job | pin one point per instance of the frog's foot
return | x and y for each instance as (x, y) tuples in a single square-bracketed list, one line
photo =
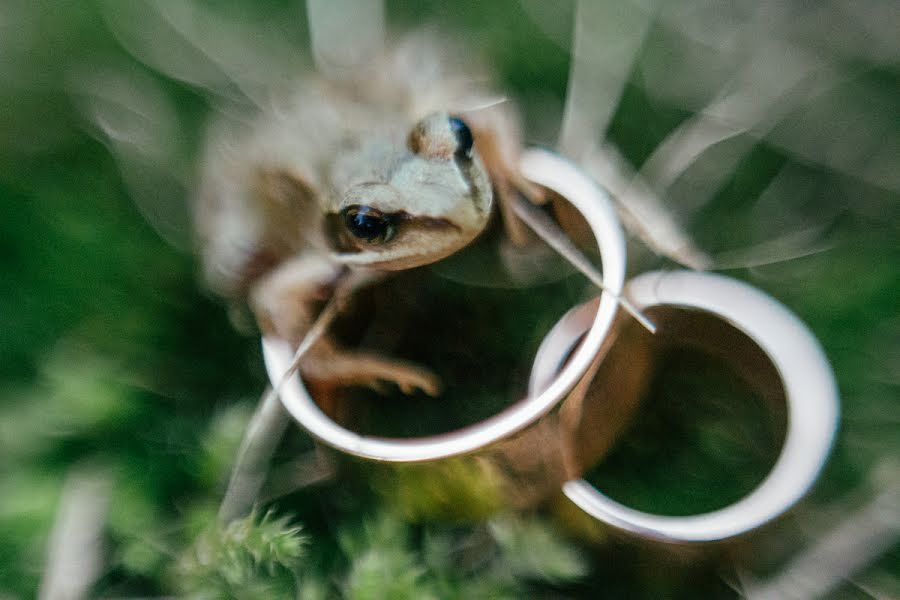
[(370, 370)]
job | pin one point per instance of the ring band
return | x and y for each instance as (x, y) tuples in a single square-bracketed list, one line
[(797, 366)]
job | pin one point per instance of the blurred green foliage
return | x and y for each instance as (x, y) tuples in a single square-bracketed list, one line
[(112, 355)]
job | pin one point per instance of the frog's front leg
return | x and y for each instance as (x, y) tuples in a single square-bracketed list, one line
[(526, 258), (499, 142), (287, 302)]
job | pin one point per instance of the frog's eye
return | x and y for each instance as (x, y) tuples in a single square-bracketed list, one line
[(369, 224), (463, 135)]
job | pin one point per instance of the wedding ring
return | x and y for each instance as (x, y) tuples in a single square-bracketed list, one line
[(763, 341), (516, 456)]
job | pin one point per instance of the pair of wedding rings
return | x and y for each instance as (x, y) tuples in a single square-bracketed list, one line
[(591, 368)]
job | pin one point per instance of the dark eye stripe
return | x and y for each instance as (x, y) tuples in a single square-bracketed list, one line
[(464, 139), (463, 155)]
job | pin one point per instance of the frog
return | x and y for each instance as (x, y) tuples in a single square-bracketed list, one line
[(394, 166)]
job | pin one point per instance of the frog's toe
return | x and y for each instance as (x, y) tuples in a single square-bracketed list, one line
[(419, 379)]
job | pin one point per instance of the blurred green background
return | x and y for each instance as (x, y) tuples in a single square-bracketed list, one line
[(114, 361)]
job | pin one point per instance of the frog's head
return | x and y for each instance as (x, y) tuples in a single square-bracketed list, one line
[(418, 203)]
